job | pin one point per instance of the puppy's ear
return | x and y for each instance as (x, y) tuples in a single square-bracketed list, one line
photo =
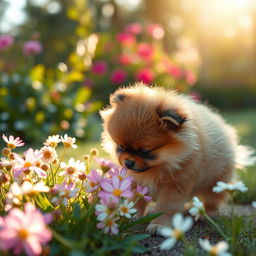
[(117, 98), (172, 119)]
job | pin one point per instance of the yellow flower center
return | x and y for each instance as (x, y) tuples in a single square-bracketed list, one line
[(92, 184), (67, 144), (47, 154), (109, 223), (213, 251), (177, 233), (117, 192), (53, 144), (124, 209), (11, 145), (70, 170), (23, 234), (27, 164)]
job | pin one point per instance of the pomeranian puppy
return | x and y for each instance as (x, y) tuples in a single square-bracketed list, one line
[(170, 143)]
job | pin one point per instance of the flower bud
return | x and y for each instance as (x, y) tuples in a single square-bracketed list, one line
[(86, 157), (82, 176), (6, 151), (94, 152)]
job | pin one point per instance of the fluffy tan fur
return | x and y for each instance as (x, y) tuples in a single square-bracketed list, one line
[(189, 157)]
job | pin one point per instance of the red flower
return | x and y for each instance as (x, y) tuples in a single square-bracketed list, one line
[(190, 77), (134, 28), (145, 75), (125, 59), (125, 38), (145, 50), (173, 70), (118, 76), (99, 67)]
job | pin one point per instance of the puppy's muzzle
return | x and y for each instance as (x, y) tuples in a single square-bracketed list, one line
[(131, 165)]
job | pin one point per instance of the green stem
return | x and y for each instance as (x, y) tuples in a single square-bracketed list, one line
[(79, 193), (61, 239), (215, 225), (52, 174), (61, 158)]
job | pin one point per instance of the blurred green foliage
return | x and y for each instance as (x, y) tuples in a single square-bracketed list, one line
[(37, 100)]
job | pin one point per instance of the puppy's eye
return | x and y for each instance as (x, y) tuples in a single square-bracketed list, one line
[(144, 151), (120, 148)]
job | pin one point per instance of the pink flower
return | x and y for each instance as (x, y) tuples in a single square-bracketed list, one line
[(190, 77), (134, 28), (120, 173), (64, 193), (93, 181), (109, 225), (141, 192), (28, 163), (125, 59), (174, 70), (145, 51), (24, 231), (116, 188), (6, 42), (32, 47), (156, 31), (99, 67), (145, 75), (125, 38), (13, 143), (105, 164), (118, 76), (107, 208)]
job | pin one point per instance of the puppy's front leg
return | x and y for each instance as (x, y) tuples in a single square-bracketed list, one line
[(170, 200)]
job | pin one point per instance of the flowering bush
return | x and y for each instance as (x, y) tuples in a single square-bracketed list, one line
[(36, 100), (137, 54), (49, 204)]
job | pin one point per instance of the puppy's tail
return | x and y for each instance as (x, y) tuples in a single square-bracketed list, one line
[(245, 156)]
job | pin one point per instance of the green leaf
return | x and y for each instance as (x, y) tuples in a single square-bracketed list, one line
[(76, 211), (44, 203), (142, 220), (139, 249), (82, 95)]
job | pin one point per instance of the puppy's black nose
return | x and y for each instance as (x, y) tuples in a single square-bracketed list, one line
[(129, 163)]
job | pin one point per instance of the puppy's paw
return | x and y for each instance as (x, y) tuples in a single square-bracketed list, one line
[(152, 228)]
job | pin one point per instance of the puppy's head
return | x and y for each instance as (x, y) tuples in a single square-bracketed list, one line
[(144, 127)]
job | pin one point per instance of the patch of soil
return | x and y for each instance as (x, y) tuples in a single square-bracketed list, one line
[(200, 229)]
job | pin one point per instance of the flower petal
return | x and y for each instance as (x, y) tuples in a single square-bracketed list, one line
[(168, 243)]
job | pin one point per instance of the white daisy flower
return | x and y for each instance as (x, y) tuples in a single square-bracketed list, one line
[(221, 186), (33, 189), (126, 209), (219, 249), (68, 141), (180, 226), (197, 209), (52, 141), (49, 154), (72, 169)]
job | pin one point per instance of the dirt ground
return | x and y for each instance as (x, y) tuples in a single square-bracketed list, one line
[(200, 229)]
